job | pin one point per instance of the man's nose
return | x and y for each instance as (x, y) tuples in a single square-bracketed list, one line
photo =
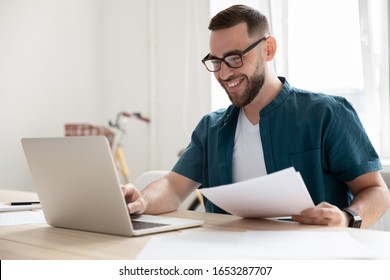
[(225, 72)]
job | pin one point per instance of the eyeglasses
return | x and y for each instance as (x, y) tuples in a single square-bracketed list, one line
[(233, 60)]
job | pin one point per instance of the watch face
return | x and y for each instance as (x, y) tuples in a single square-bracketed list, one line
[(356, 222)]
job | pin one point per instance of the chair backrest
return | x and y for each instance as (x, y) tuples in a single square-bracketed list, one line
[(148, 177)]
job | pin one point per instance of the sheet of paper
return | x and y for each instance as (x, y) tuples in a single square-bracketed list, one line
[(4, 207), (282, 245), (304, 245), (21, 217), (188, 246), (279, 194)]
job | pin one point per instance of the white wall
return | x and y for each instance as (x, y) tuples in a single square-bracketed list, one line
[(85, 60)]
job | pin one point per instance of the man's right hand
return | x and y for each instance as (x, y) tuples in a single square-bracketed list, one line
[(135, 202)]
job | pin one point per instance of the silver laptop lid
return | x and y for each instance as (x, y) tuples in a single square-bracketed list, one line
[(77, 183)]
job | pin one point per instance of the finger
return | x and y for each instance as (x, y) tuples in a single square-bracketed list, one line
[(128, 190), (324, 205), (130, 193), (135, 207), (310, 220), (322, 214), (321, 209)]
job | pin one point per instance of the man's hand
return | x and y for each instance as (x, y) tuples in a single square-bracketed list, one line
[(323, 214), (135, 202)]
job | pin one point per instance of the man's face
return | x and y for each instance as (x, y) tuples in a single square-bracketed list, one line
[(241, 84)]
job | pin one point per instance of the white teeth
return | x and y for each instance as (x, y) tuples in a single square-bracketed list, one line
[(233, 84)]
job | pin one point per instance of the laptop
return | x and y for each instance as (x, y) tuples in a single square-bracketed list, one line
[(79, 188)]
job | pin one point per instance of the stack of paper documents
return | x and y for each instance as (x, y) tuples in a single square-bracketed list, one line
[(21, 218), (279, 194), (23, 213)]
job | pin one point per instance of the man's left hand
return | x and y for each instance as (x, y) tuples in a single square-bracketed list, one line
[(323, 214)]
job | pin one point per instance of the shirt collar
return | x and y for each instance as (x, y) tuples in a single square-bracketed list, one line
[(231, 113), (279, 99)]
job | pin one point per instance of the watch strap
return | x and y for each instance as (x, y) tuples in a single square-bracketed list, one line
[(355, 220)]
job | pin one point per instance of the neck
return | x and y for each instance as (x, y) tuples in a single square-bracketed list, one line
[(268, 92)]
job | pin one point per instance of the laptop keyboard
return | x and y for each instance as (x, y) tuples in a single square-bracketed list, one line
[(145, 225)]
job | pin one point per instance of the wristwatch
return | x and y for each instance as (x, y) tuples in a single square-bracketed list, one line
[(355, 220)]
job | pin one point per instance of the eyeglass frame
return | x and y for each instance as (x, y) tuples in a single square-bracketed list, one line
[(240, 54)]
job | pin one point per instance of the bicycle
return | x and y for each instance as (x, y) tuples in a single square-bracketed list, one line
[(121, 119), (115, 139)]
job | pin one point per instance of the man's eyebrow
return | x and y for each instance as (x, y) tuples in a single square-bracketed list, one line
[(226, 54)]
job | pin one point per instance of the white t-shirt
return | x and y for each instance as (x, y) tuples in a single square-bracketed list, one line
[(248, 157)]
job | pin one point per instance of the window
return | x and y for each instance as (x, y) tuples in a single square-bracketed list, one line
[(335, 47), (338, 47)]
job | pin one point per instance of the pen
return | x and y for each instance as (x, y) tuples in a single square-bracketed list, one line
[(24, 203)]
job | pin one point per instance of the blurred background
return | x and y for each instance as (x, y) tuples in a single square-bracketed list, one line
[(83, 61)]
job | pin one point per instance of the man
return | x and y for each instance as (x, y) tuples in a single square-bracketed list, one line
[(271, 126)]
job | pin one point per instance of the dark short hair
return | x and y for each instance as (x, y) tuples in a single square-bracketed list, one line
[(257, 22)]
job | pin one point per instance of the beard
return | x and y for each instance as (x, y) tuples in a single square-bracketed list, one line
[(255, 83)]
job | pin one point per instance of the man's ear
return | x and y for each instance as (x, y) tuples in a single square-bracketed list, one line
[(270, 47)]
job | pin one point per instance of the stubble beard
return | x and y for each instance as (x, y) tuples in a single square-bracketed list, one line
[(255, 83)]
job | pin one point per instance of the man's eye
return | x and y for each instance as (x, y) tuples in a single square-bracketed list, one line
[(233, 59), (215, 62)]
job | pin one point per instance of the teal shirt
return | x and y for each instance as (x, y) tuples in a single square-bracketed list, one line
[(319, 135)]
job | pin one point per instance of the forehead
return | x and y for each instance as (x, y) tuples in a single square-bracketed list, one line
[(229, 39)]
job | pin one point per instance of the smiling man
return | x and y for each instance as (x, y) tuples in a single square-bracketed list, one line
[(271, 126)]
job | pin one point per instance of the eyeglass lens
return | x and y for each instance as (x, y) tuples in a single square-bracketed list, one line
[(233, 61)]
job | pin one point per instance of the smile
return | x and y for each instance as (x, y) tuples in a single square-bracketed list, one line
[(234, 83)]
